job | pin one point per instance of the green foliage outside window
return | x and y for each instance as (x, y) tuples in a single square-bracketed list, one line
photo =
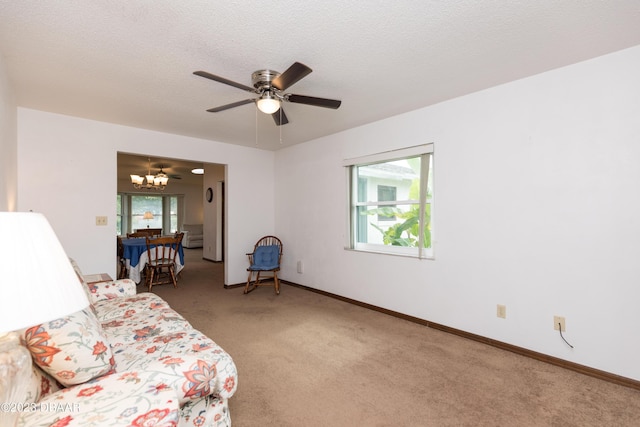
[(407, 232)]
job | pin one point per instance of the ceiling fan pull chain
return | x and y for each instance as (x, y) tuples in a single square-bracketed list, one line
[(256, 126), (280, 127)]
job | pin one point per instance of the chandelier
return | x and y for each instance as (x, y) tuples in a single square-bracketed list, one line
[(153, 182)]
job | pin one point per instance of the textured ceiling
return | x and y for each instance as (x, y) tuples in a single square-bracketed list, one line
[(131, 62)]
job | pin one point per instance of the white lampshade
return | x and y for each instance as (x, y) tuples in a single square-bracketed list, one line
[(268, 104), (38, 282), (147, 215)]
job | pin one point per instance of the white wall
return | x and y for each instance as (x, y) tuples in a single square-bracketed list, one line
[(8, 143), (67, 171), (212, 231), (537, 206)]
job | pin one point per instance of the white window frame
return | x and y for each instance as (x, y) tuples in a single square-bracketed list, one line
[(424, 151)]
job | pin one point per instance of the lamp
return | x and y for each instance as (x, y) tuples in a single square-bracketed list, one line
[(155, 182), (148, 216), (268, 103), (38, 285)]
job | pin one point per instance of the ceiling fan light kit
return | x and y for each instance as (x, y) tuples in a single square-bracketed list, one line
[(270, 85), (268, 103)]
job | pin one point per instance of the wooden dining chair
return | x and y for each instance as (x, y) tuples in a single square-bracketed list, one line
[(179, 235), (161, 263), (150, 231), (122, 263), (265, 258), (144, 232)]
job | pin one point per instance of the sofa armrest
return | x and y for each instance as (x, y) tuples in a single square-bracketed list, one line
[(113, 289), (192, 234), (189, 362), (125, 399), (192, 239)]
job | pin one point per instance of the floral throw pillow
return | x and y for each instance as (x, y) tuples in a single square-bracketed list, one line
[(72, 349)]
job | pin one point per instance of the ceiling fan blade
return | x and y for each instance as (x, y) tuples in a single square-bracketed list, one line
[(280, 119), (312, 100), (232, 105), (291, 76), (223, 80)]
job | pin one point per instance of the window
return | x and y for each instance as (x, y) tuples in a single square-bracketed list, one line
[(164, 212), (391, 200), (119, 215), (386, 193), (172, 210), (143, 204)]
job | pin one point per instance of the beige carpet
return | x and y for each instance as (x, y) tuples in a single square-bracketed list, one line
[(309, 360)]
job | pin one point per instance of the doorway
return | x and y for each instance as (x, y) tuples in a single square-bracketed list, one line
[(189, 187)]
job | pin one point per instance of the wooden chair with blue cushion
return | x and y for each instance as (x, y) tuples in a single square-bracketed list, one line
[(265, 258)]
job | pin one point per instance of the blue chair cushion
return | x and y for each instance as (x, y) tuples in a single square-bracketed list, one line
[(266, 258)]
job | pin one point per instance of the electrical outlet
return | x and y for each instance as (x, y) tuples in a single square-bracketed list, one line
[(101, 220), (501, 311), (558, 324)]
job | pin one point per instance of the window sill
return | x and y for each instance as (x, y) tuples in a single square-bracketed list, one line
[(398, 254)]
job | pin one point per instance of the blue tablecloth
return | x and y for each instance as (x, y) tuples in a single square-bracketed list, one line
[(135, 247)]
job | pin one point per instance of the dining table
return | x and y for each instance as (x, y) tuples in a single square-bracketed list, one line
[(136, 257)]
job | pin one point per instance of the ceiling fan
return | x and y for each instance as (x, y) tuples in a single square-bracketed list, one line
[(168, 173), (270, 86)]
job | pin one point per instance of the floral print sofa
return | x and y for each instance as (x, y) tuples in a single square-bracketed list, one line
[(126, 360)]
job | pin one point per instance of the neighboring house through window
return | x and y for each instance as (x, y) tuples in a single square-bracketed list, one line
[(387, 193)]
